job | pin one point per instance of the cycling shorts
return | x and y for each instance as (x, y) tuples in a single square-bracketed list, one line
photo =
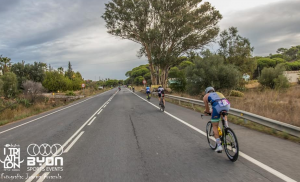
[(147, 92), (216, 109), (161, 95)]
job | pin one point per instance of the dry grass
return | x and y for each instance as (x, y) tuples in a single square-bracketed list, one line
[(21, 112), (281, 106)]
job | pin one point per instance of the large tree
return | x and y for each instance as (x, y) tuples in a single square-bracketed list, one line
[(166, 29)]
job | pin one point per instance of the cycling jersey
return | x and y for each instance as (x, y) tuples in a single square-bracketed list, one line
[(161, 92), (147, 90), (219, 103)]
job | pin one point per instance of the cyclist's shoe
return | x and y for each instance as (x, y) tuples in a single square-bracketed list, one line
[(219, 149)]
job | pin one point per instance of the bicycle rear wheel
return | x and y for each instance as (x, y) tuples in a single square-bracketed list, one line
[(210, 136), (231, 145)]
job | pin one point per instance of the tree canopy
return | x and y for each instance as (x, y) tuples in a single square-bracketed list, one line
[(165, 29)]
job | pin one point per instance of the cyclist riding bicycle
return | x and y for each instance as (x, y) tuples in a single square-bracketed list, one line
[(219, 103), (148, 90), (161, 93)]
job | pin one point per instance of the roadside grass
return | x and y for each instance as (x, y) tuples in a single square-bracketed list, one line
[(241, 122), (282, 106), (20, 111)]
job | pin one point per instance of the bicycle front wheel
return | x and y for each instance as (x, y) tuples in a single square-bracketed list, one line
[(231, 145), (210, 136)]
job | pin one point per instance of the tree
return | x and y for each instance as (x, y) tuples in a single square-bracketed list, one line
[(5, 64), (237, 50), (211, 71), (10, 83), (177, 80), (273, 77), (69, 72), (54, 81), (165, 29)]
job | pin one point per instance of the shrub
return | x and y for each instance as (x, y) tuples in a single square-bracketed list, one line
[(10, 83), (32, 89), (70, 93), (273, 77), (211, 71), (236, 93), (266, 63), (24, 102)]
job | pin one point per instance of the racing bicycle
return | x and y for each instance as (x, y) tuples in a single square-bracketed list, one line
[(228, 138), (148, 96)]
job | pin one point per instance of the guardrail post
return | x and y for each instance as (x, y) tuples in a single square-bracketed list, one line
[(193, 106), (245, 121), (179, 102)]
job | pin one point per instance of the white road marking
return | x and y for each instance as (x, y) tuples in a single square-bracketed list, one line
[(43, 177), (245, 156), (63, 146), (100, 111), (73, 142), (50, 114), (92, 121)]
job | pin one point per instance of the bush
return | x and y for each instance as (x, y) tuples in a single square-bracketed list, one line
[(24, 102), (211, 71), (10, 83), (32, 89), (1, 86), (70, 93), (266, 63), (273, 77), (236, 93), (281, 82)]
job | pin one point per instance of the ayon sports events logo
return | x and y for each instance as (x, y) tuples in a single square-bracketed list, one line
[(42, 157), (12, 160), (45, 157)]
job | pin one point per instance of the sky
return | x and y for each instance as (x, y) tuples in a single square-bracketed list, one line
[(58, 31)]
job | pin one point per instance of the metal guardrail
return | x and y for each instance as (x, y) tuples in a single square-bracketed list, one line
[(290, 129)]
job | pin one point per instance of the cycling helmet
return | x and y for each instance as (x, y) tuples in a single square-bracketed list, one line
[(209, 89)]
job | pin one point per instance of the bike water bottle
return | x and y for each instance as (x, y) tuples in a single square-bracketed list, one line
[(220, 131)]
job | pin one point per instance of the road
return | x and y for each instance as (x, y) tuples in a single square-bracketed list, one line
[(119, 136)]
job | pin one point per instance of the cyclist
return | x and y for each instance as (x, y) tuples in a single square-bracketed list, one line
[(129, 87), (219, 103), (119, 87), (148, 90), (161, 93)]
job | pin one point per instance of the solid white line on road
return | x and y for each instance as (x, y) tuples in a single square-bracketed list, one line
[(73, 142), (100, 111), (92, 121), (50, 113), (43, 177), (245, 156), (63, 146)]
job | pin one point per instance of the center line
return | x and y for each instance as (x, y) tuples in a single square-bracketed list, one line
[(74, 141), (92, 120)]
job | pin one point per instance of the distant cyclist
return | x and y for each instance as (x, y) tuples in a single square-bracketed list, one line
[(218, 103), (161, 93), (148, 90)]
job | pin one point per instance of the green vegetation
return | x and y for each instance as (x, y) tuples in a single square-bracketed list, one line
[(165, 29), (138, 74), (9, 87), (273, 78), (236, 93)]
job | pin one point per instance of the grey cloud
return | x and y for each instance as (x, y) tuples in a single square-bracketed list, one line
[(6, 5), (268, 27)]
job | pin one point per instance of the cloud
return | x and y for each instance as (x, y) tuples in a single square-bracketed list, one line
[(268, 27), (56, 32)]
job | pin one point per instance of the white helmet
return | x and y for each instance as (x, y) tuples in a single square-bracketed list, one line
[(209, 89)]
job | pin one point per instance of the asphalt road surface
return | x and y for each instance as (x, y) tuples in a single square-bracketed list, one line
[(119, 136)]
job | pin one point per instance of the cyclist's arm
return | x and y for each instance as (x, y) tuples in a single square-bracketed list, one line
[(205, 100)]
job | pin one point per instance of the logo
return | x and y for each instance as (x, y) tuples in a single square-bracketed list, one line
[(12, 160), (44, 157)]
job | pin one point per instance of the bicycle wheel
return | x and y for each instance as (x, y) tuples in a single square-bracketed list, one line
[(210, 136), (231, 145)]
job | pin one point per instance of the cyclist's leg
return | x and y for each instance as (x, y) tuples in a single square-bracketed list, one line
[(159, 95), (215, 118), (164, 100)]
